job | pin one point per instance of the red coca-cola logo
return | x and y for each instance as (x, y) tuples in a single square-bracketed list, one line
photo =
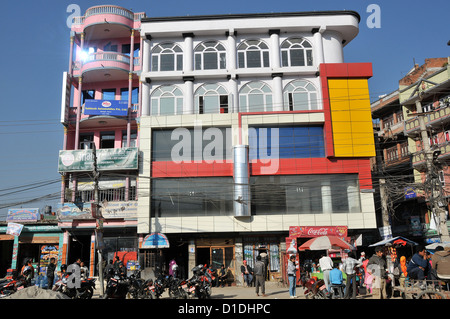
[(318, 231)]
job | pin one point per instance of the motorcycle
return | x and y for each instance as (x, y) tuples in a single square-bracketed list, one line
[(202, 282), (139, 288), (10, 286), (158, 286), (176, 291), (117, 287), (85, 291), (314, 289)]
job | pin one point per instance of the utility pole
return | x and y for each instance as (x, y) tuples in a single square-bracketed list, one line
[(431, 176), (98, 222)]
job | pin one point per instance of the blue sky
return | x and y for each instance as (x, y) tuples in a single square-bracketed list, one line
[(35, 53)]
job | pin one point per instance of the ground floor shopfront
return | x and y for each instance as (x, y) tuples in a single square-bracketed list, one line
[(37, 243), (215, 250), (231, 249)]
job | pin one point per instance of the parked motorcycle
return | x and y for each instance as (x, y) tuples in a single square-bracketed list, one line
[(139, 288), (10, 286), (313, 289), (202, 282), (117, 287), (85, 291)]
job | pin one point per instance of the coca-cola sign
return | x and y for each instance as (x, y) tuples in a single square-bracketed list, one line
[(316, 231)]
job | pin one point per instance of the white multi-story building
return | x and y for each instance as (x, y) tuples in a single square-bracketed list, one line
[(250, 124)]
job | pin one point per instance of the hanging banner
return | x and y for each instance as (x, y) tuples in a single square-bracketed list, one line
[(107, 159), (14, 229), (106, 107), (155, 240), (316, 231)]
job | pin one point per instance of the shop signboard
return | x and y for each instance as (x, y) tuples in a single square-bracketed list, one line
[(107, 159), (106, 107), (155, 240), (316, 231), (23, 215), (47, 252), (14, 229), (69, 211)]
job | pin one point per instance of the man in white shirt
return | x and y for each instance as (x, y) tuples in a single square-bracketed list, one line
[(326, 265)]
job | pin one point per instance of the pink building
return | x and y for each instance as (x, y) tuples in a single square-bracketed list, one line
[(99, 108)]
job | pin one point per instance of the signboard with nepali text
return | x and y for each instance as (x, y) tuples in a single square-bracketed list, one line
[(23, 215), (316, 231), (106, 107), (107, 159)]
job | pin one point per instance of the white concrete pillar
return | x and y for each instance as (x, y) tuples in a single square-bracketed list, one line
[(188, 52), (145, 106), (318, 46), (188, 101), (277, 98), (231, 50), (275, 48)]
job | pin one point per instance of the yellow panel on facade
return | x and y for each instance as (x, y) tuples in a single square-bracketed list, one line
[(351, 118)]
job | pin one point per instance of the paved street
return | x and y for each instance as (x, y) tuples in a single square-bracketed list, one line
[(273, 291)]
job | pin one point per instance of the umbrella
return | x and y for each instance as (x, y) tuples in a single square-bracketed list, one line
[(394, 240), (325, 243)]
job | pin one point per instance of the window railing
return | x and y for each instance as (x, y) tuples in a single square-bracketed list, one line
[(107, 56)]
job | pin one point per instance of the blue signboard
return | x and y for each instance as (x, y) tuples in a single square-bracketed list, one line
[(410, 193), (155, 240), (23, 214), (106, 107)]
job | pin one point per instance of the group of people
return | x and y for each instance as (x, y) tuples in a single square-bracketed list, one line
[(373, 273)]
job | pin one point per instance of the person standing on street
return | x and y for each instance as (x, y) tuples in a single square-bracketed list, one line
[(51, 272), (260, 278), (326, 265), (350, 265), (292, 272), (377, 267)]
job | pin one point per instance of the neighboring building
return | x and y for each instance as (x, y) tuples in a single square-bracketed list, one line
[(425, 93), (393, 170), (100, 106), (28, 234), (251, 124)]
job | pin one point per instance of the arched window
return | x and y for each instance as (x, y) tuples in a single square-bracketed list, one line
[(301, 95), (167, 57), (210, 55), (253, 54), (211, 98), (255, 97), (296, 52), (167, 100)]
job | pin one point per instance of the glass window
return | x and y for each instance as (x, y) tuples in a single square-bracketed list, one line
[(108, 94), (107, 139), (167, 57), (301, 95), (253, 54), (176, 197), (211, 98), (296, 52), (210, 55), (133, 138), (167, 100), (255, 97), (180, 144), (88, 95), (286, 142), (134, 95), (305, 194)]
